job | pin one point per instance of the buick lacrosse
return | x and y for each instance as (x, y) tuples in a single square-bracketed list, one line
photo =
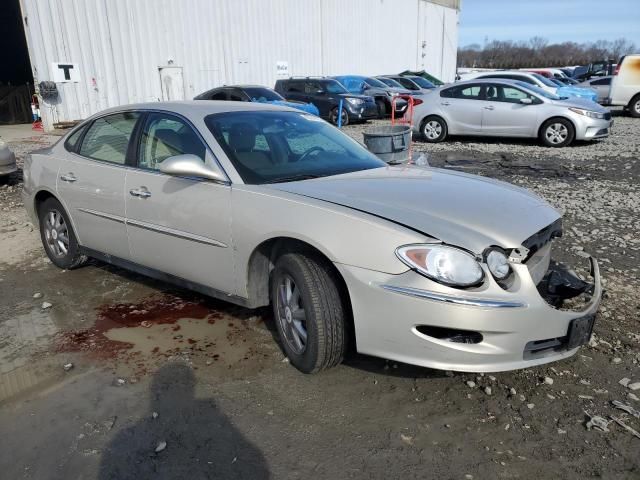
[(258, 204)]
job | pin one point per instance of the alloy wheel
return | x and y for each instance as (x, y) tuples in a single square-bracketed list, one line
[(432, 129), (291, 315), (636, 107), (557, 133), (56, 233)]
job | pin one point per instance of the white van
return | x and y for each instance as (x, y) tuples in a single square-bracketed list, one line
[(625, 86)]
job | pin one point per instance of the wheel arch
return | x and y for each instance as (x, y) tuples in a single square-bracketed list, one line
[(262, 262), (41, 196), (432, 115), (557, 117)]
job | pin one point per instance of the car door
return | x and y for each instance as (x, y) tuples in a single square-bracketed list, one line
[(91, 182), (316, 94), (177, 225), (462, 108), (504, 114), (295, 90)]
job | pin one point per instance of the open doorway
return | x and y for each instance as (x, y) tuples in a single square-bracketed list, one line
[(16, 78)]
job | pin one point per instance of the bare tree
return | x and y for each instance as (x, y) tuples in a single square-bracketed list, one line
[(538, 52)]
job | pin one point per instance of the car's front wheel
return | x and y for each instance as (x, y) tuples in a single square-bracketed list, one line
[(334, 117), (309, 312), (557, 132), (58, 238), (434, 129)]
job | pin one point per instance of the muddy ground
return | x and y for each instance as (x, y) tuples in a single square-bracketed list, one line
[(149, 366)]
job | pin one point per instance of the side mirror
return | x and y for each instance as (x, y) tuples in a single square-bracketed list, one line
[(189, 165), (526, 101)]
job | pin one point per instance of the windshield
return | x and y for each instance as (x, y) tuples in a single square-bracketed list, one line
[(333, 86), (543, 80), (424, 83), (537, 90), (259, 94), (274, 146), (390, 82), (374, 82), (556, 82)]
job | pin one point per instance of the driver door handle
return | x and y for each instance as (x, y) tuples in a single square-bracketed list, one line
[(445, 103), (141, 192), (490, 107), (68, 177)]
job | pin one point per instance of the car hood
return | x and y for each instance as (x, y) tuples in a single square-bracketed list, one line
[(581, 103), (459, 209)]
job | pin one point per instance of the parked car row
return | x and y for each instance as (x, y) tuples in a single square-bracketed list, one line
[(362, 97)]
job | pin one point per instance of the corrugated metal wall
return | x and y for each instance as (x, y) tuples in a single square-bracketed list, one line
[(120, 45)]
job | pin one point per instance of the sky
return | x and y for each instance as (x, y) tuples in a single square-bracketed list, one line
[(556, 20)]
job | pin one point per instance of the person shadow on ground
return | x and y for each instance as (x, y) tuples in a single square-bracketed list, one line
[(201, 443)]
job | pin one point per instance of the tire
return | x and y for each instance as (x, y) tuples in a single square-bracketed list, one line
[(306, 298), (333, 118), (634, 107), (434, 129), (557, 132), (55, 227), (382, 108)]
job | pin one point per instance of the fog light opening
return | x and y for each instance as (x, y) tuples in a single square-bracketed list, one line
[(450, 334)]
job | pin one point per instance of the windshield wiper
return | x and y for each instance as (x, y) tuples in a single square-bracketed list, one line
[(293, 178)]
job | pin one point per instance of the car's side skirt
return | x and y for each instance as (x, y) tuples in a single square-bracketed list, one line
[(166, 277)]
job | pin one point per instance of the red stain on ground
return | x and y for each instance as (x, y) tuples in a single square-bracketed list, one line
[(156, 310)]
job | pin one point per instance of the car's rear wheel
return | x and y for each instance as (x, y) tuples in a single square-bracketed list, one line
[(333, 117), (58, 238), (434, 129), (634, 107), (557, 132), (309, 312)]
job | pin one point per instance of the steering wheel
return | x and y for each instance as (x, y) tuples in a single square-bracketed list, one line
[(304, 156)]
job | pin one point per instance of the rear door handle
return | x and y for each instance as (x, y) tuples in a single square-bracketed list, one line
[(141, 192), (68, 177), (445, 103), (490, 107)]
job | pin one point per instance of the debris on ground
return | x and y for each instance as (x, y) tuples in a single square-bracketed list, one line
[(37, 295), (627, 408), (46, 305), (154, 415), (406, 439), (597, 422), (67, 366), (625, 381), (548, 381), (634, 386), (470, 383), (633, 432), (161, 446)]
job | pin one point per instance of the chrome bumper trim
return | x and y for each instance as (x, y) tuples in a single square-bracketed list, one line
[(443, 297)]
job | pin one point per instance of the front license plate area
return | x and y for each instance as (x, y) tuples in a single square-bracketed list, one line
[(580, 331)]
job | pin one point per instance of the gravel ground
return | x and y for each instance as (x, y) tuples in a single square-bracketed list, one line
[(228, 404)]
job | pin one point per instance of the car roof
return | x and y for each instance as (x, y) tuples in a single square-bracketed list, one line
[(198, 107)]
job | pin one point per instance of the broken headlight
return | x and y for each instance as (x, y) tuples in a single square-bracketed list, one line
[(447, 265), (498, 263)]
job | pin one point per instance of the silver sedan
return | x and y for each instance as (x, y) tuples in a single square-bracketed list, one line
[(7, 160), (259, 205), (507, 108)]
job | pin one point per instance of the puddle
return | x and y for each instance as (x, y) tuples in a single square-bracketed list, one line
[(163, 326)]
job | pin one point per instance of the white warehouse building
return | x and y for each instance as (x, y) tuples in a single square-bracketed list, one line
[(103, 53)]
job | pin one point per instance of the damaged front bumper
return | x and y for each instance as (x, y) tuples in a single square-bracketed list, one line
[(412, 319)]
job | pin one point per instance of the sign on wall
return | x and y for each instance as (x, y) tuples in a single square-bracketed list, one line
[(282, 68), (65, 72)]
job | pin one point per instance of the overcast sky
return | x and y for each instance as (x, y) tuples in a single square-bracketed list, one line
[(556, 20)]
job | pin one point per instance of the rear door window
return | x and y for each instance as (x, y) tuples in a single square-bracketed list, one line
[(468, 92), (107, 139), (219, 95), (237, 96)]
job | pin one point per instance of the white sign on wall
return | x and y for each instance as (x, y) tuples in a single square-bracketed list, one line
[(65, 72), (282, 68)]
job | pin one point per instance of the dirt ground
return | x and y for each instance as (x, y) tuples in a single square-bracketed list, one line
[(99, 368)]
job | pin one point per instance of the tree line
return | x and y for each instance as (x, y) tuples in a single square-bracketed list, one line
[(538, 52)]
